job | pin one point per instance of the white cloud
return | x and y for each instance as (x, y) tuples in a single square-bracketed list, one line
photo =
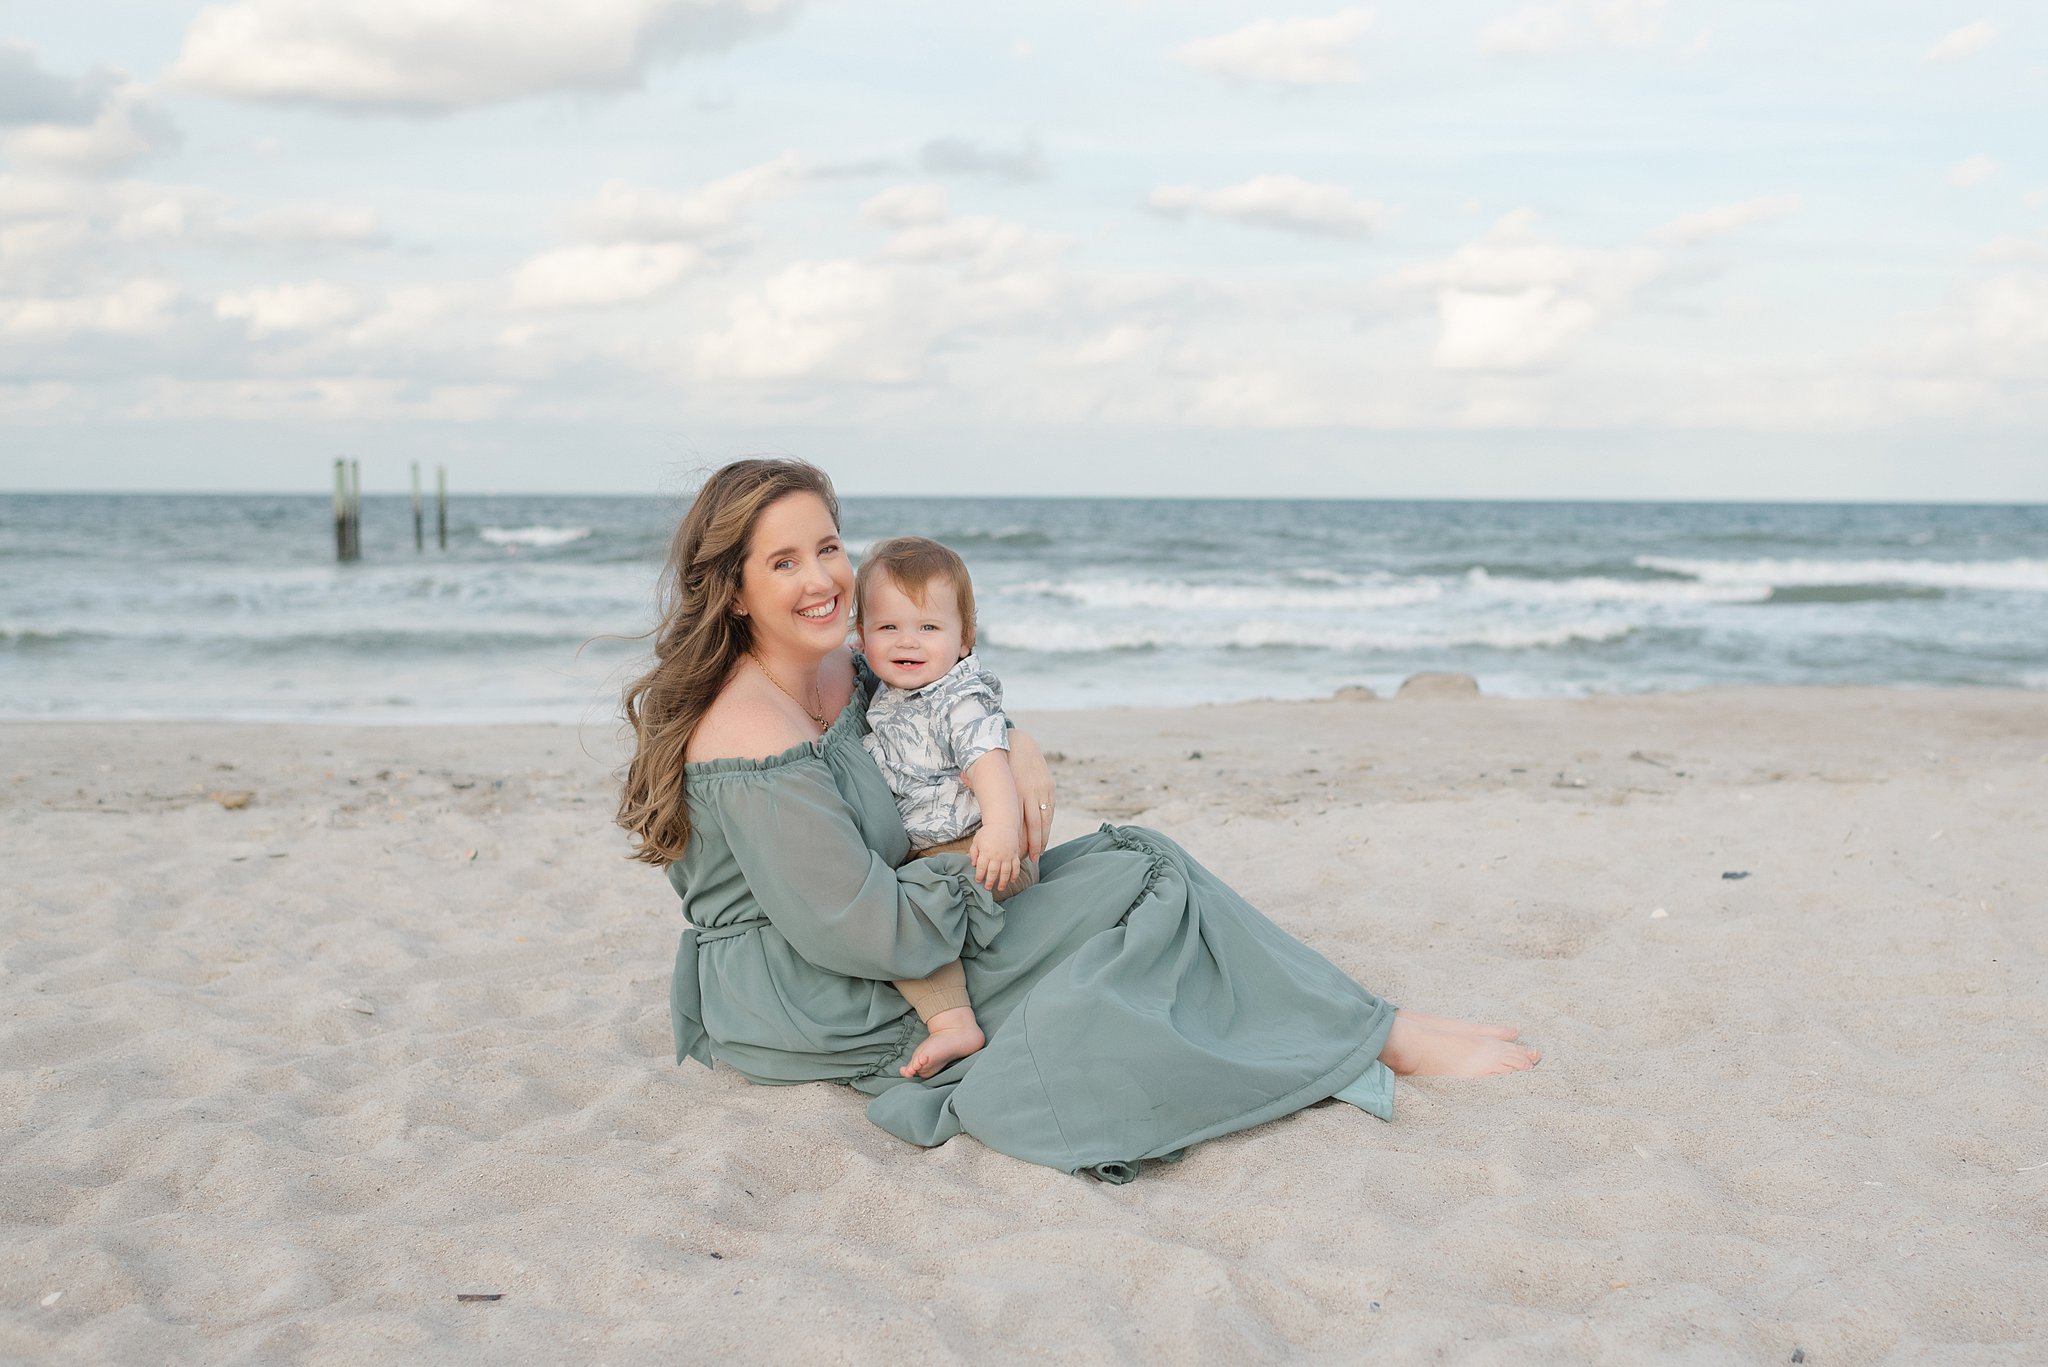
[(24, 197), (412, 57), (902, 206), (626, 213), (984, 242), (1520, 330), (820, 320), (927, 231), (63, 236), (1628, 23), (30, 94), (91, 125), (33, 399), (1544, 29), (127, 131), (962, 157), (583, 277), (1119, 343), (408, 313), (1512, 257), (1982, 358), (1971, 171), (1286, 202), (2011, 314), (2014, 247), (1723, 219), (145, 212), (942, 281), (1512, 302), (345, 398), (1967, 41), (300, 307), (1291, 52), (305, 224), (1533, 30), (1258, 396), (137, 308)]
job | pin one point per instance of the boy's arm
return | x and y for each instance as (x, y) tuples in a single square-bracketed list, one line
[(998, 846)]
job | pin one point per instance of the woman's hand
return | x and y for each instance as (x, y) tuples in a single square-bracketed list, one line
[(1034, 791)]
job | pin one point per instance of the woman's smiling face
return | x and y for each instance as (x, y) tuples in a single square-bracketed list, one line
[(796, 586)]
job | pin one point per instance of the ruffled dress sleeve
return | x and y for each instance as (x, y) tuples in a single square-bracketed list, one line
[(838, 903)]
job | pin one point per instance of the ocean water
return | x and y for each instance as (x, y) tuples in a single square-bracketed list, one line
[(232, 606)]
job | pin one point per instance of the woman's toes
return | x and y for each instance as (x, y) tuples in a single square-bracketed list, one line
[(1454, 1026), (1518, 1058)]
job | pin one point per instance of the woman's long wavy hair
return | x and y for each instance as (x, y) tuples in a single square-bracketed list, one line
[(698, 640)]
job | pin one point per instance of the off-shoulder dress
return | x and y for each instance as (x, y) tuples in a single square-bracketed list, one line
[(1134, 1004)]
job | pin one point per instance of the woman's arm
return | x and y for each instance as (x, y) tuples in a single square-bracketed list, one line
[(838, 903), (1034, 790)]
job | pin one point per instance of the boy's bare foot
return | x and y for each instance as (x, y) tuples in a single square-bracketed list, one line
[(1458, 1027), (954, 1035), (1416, 1050)]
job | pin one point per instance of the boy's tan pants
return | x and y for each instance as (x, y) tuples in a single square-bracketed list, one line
[(946, 989)]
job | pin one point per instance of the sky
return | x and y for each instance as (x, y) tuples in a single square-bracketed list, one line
[(1477, 249)]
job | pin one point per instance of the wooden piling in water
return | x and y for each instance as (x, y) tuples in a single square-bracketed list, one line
[(441, 502), (340, 509), (419, 525), (355, 510)]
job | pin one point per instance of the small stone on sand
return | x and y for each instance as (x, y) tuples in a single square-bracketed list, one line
[(1437, 685)]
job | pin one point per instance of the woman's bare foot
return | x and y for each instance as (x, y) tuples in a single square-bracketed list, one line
[(1458, 1027), (1416, 1050), (954, 1035)]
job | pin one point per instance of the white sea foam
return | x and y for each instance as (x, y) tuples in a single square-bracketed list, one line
[(2010, 576), (533, 536), (1167, 595), (1069, 637), (1597, 589)]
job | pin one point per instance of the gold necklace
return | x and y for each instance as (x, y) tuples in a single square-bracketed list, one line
[(817, 716)]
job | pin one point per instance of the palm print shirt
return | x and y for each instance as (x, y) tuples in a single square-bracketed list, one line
[(923, 741)]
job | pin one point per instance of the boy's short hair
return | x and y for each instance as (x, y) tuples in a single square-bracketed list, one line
[(913, 562)]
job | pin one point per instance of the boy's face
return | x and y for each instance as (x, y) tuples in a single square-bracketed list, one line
[(910, 644)]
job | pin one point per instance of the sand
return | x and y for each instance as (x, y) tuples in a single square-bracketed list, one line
[(282, 1081)]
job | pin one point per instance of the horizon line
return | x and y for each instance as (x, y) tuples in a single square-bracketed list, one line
[(406, 495)]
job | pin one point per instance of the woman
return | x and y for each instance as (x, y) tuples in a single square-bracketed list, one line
[(1134, 1004)]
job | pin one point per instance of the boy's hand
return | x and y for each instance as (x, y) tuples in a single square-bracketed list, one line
[(998, 858)]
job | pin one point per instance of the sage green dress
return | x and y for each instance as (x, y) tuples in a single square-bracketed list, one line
[(1133, 1003)]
